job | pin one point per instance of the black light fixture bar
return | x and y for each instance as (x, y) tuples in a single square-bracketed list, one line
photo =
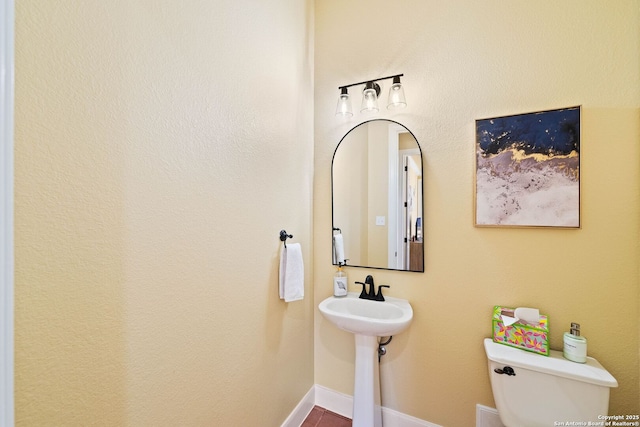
[(370, 81)]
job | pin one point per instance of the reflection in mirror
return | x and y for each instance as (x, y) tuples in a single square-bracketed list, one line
[(377, 206)]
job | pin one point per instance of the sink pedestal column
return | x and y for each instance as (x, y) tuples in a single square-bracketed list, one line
[(366, 393)]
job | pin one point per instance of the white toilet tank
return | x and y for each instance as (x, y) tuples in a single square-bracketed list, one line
[(546, 389)]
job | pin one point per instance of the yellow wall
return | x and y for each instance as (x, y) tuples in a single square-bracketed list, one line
[(462, 61), (160, 148)]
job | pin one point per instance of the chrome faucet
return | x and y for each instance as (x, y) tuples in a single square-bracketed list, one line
[(371, 294)]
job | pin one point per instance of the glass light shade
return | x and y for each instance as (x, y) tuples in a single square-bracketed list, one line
[(344, 104), (369, 99), (396, 95)]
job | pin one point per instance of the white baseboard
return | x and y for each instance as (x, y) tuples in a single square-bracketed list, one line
[(487, 417), (300, 412), (391, 418), (334, 401), (342, 404)]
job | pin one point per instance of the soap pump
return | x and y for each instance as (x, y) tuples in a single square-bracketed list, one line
[(575, 346), (340, 282)]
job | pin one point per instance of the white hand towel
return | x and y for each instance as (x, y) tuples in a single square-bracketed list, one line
[(338, 249), (291, 273)]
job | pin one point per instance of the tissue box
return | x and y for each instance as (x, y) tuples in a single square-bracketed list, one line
[(529, 337)]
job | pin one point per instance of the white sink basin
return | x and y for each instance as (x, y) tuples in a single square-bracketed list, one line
[(366, 317)]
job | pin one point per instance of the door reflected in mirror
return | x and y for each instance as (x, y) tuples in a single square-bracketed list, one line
[(377, 198)]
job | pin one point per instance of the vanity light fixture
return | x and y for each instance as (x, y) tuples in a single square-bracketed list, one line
[(370, 95)]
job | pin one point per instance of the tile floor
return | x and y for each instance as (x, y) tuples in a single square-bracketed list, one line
[(320, 417)]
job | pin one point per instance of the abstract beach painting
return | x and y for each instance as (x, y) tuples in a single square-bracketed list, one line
[(528, 170)]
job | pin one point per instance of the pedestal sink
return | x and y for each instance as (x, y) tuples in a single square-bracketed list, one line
[(367, 320)]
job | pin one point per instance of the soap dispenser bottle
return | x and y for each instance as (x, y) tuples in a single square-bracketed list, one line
[(340, 282), (575, 346)]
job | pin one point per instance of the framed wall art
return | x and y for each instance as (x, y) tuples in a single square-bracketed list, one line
[(528, 170)]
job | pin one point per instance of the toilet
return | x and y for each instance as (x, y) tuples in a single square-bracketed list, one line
[(540, 391)]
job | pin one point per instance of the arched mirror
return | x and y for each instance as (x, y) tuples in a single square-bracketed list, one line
[(377, 198)]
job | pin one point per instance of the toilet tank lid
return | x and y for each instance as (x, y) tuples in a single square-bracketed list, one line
[(554, 364)]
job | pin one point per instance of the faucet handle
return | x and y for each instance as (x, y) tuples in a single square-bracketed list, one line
[(363, 294), (379, 296)]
